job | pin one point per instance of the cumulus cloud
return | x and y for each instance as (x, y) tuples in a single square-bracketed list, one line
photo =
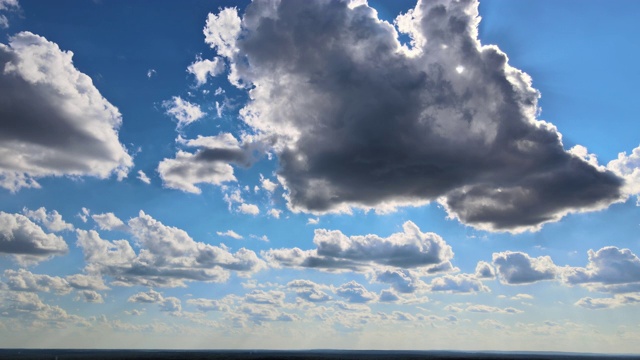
[(183, 111), (459, 283), (205, 305), (609, 269), (26, 241), (202, 69), (360, 120), (91, 296), (402, 281), (355, 293), (517, 268), (170, 304), (335, 251), (54, 122), (267, 184), (168, 256), (210, 164), (484, 270), (607, 303), (250, 209), (492, 309), (109, 221), (274, 213), (51, 220), (309, 291), (24, 280)]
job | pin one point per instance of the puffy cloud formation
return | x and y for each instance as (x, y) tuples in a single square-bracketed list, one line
[(168, 256), (335, 251), (209, 164), (309, 291), (109, 221), (202, 69), (169, 304), (355, 293), (607, 303), (183, 111), (53, 121), (26, 241), (609, 269), (402, 281), (24, 280), (360, 120), (51, 220), (230, 233), (484, 270), (517, 268), (460, 283)]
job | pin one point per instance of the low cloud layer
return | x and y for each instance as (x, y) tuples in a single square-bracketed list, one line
[(360, 120), (336, 251), (168, 256), (53, 121)]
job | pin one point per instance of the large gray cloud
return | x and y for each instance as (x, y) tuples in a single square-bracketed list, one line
[(53, 121), (360, 120)]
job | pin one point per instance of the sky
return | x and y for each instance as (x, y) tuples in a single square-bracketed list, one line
[(446, 174)]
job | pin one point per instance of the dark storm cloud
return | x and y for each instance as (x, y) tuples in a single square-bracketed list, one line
[(362, 121)]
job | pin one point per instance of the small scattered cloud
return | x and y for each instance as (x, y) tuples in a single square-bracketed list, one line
[(51, 220), (143, 177), (109, 221), (183, 111), (230, 233), (202, 69)]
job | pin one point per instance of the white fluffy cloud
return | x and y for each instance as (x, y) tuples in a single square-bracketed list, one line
[(517, 268), (336, 251), (143, 177), (171, 305), (53, 121), (355, 293), (459, 283), (26, 241), (202, 69), (51, 220), (210, 164), (168, 256), (359, 120), (610, 269), (109, 221), (607, 303), (183, 111)]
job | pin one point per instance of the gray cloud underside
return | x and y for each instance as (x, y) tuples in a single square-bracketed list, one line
[(361, 121), (53, 121)]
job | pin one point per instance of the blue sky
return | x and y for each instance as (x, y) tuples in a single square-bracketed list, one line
[(210, 174)]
